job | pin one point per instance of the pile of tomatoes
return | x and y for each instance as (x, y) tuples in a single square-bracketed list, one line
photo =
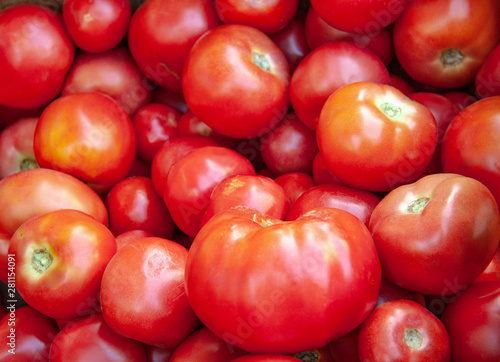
[(223, 180)]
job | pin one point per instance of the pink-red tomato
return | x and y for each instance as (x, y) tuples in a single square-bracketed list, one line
[(492, 271), (444, 43), (96, 26), (321, 173), (60, 259), (374, 137), (143, 295), (35, 55), (437, 235), (130, 236), (295, 184), (162, 32), (326, 69), (236, 79), (487, 81)]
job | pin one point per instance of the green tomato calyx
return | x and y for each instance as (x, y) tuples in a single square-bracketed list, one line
[(390, 110), (261, 61), (41, 260), (417, 206)]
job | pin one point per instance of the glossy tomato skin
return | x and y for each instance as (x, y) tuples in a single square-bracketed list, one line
[(24, 195), (470, 144), (487, 80), (161, 33), (134, 204), (257, 272), (96, 26), (447, 218), (35, 55), (143, 295), (90, 338), (444, 43), (321, 173), (60, 260), (27, 335), (295, 184), (326, 69), (95, 144), (236, 80), (373, 137), (403, 330), (492, 271), (200, 171), (473, 324)]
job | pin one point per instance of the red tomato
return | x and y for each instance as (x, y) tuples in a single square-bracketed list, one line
[(148, 304), (35, 55), (90, 338), (401, 84), (326, 69), (321, 354), (321, 173), (487, 79), (114, 73), (204, 345), (492, 271), (360, 16), (460, 99), (154, 124), (34, 192), (60, 259), (200, 171), (27, 335), (295, 184), (174, 99), (268, 16), (403, 330), (130, 236), (265, 358), (158, 354), (473, 323), (96, 26), (290, 147), (373, 137), (4, 256), (134, 204), (437, 235), (161, 33), (88, 135), (248, 276), (470, 145), (236, 79), (443, 43), (16, 146)]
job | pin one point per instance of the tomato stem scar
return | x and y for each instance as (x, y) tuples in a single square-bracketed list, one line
[(451, 58), (413, 338), (417, 205), (391, 110), (41, 261), (261, 61), (28, 164)]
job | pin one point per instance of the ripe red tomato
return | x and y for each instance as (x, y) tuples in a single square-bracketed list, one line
[(248, 276), (236, 79), (403, 330), (60, 259), (143, 296), (437, 235), (375, 138), (443, 43), (96, 26), (295, 184), (35, 55), (88, 135), (487, 81)]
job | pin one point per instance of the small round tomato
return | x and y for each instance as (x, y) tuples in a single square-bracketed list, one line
[(403, 330), (60, 259), (374, 137)]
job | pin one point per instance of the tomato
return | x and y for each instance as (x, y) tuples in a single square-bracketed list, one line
[(158, 354), (470, 145), (204, 345), (321, 354), (236, 79), (437, 235), (27, 335), (154, 124), (403, 330), (35, 55), (360, 16), (359, 203), (96, 26), (25, 194), (492, 271), (60, 260), (321, 173), (248, 275), (373, 137), (9, 115), (130, 236), (134, 204), (295, 184), (487, 80), (460, 99), (161, 33), (143, 296), (326, 69), (200, 171), (473, 323), (170, 98), (16, 146), (4, 256), (90, 338), (93, 143), (265, 358), (114, 73), (268, 16), (290, 147), (444, 43)]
